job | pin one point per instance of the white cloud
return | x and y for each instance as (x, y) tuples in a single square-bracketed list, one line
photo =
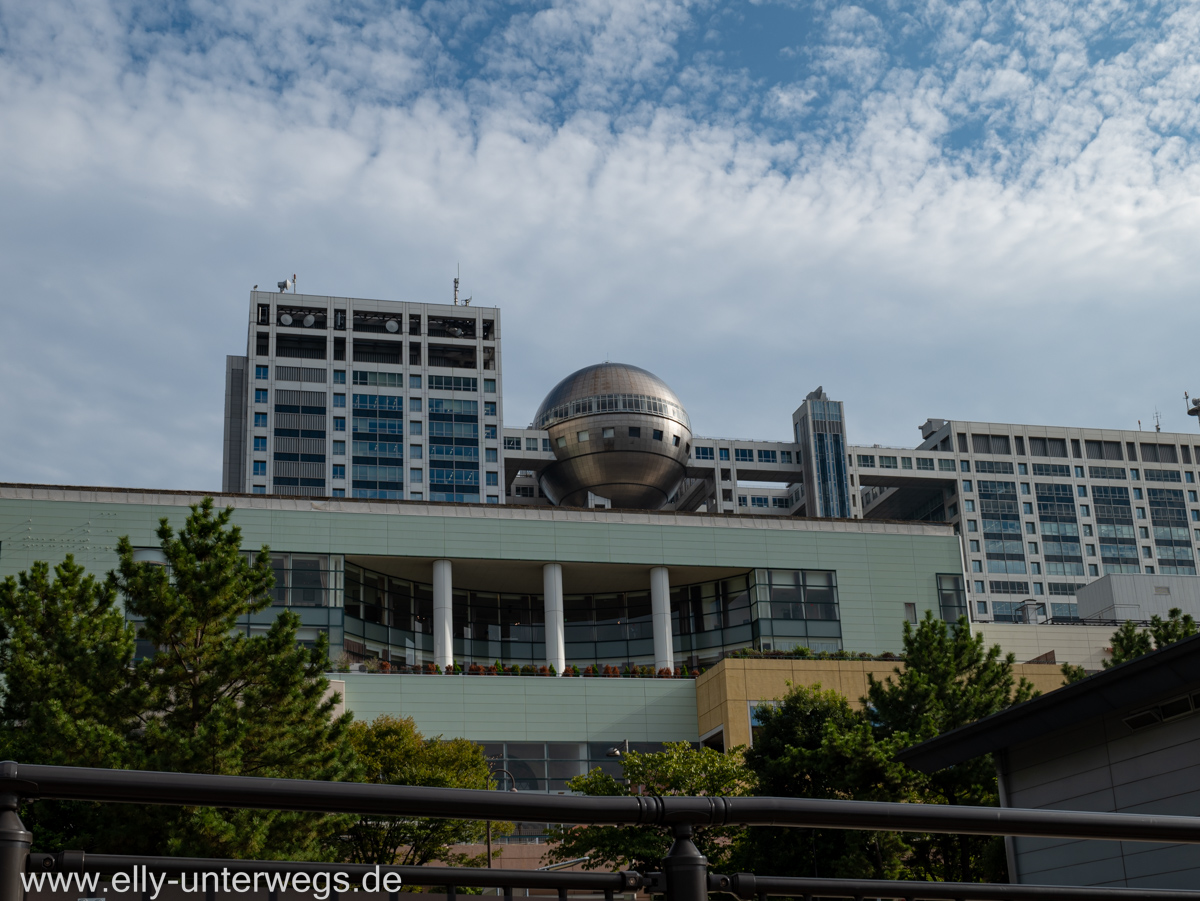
[(744, 235)]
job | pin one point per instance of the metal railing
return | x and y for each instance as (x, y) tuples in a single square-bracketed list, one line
[(684, 877)]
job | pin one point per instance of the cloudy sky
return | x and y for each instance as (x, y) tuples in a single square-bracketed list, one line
[(969, 210)]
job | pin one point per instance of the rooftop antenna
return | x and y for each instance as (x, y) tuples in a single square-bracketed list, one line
[(457, 273), (1194, 409), (1157, 421)]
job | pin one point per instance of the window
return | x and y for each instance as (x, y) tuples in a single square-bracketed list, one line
[(1079, 472), (511, 443), (491, 455), (1189, 477), (260, 420), (967, 485), (1143, 531), (339, 423), (604, 433), (1141, 512), (1039, 588), (339, 470), (339, 400), (1195, 515), (704, 453), (1022, 469), (657, 435), (974, 545), (722, 454), (978, 586), (981, 608), (1081, 490), (946, 465), (493, 498), (262, 373), (952, 596), (545, 445), (489, 431), (910, 613), (415, 475), (866, 461), (1033, 547), (741, 500), (1137, 494), (906, 463), (1030, 528), (764, 456), (1133, 474), (582, 436), (415, 427), (1192, 496), (414, 452), (1091, 550), (414, 381), (745, 455), (924, 465), (1035, 568), (414, 405), (339, 376), (976, 566), (1085, 510), (531, 444), (1027, 508), (969, 505), (339, 448), (259, 489), (1146, 552), (339, 492), (493, 478), (1093, 569), (635, 431), (952, 510), (260, 445), (1087, 530), (758, 501), (562, 441), (675, 441), (260, 395), (785, 456), (1149, 570), (972, 525), (489, 386), (965, 465), (489, 408), (260, 467)]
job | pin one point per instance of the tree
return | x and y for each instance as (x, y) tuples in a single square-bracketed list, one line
[(679, 769), (1072, 673), (209, 700), (948, 680), (813, 744), (1130, 642), (392, 752)]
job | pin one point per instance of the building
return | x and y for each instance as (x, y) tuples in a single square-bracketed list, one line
[(1125, 740), (374, 399)]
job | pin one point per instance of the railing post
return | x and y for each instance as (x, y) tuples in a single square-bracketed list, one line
[(15, 841), (685, 868)]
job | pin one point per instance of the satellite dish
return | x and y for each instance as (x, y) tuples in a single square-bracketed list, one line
[(456, 332), (309, 320), (284, 285), (285, 319), (392, 326)]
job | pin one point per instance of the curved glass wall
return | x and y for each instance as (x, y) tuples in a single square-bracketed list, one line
[(613, 403)]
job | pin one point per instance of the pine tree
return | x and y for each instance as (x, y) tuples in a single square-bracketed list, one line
[(1129, 642), (219, 701)]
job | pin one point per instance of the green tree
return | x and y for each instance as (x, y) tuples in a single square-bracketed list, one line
[(679, 769), (813, 744), (1130, 642), (210, 700), (1072, 673), (948, 679), (392, 752), (66, 696)]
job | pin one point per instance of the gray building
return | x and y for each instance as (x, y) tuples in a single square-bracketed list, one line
[(1126, 740), (1138, 597), (373, 399)]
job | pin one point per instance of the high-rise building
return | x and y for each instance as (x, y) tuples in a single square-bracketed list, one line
[(372, 399)]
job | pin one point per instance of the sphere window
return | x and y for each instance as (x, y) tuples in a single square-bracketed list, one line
[(608, 433), (562, 442), (676, 442), (635, 431), (658, 435), (582, 436)]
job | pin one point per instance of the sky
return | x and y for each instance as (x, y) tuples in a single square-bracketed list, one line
[(985, 211)]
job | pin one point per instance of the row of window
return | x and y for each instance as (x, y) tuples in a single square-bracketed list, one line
[(745, 455), (1057, 447), (397, 380)]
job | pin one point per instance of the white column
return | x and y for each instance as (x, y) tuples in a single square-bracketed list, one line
[(443, 615), (660, 612), (556, 648)]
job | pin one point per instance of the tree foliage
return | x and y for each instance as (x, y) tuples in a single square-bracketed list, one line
[(211, 700), (392, 752), (679, 769), (1130, 642)]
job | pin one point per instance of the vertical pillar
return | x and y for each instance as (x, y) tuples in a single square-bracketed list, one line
[(685, 868), (443, 614), (15, 841), (552, 592), (660, 615)]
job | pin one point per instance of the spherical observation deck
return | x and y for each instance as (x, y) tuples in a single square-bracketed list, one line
[(617, 431)]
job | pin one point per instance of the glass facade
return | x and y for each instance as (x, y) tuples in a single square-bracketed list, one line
[(1115, 529), (1001, 526), (1168, 517)]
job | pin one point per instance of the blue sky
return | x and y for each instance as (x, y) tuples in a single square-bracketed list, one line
[(968, 210)]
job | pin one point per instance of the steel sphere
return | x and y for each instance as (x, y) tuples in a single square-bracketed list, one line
[(617, 431)]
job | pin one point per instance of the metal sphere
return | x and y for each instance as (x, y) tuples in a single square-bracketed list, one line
[(617, 431)]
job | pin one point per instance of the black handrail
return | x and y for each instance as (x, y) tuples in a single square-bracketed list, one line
[(685, 875)]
